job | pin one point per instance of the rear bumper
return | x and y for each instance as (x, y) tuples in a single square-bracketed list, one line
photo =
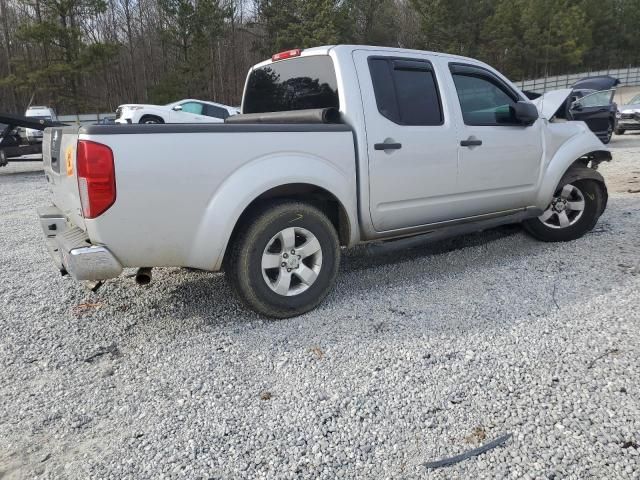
[(72, 251)]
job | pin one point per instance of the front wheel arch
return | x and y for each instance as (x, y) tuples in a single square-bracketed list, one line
[(151, 119), (578, 171)]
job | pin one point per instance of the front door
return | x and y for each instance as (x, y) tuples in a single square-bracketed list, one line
[(190, 112), (595, 110), (411, 140), (500, 159)]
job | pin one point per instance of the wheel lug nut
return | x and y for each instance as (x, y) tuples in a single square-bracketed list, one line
[(284, 264), (288, 269), (299, 257), (285, 255), (293, 252)]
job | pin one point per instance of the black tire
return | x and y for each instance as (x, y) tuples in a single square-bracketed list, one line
[(620, 131), (151, 119), (243, 262), (594, 199), (609, 134)]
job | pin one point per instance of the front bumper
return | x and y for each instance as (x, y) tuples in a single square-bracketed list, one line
[(72, 251), (629, 124)]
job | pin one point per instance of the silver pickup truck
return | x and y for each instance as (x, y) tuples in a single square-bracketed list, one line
[(335, 146)]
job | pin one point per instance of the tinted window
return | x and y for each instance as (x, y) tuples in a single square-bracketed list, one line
[(406, 91), (294, 84), (192, 107), (597, 99), (213, 111), (484, 100)]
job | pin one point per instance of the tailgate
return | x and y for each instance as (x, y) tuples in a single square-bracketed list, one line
[(59, 147)]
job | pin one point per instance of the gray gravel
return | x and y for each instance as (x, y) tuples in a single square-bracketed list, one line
[(414, 357)]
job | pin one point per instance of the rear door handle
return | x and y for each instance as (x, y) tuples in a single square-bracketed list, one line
[(471, 142), (387, 146)]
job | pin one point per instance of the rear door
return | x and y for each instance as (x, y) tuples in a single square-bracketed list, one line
[(411, 140), (214, 114)]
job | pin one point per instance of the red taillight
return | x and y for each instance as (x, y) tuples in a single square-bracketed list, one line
[(96, 178), (286, 54)]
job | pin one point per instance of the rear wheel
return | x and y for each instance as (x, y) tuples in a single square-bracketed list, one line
[(284, 261), (573, 211), (620, 131)]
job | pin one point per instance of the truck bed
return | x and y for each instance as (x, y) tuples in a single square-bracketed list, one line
[(175, 182)]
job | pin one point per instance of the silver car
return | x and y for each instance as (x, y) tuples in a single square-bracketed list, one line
[(629, 116)]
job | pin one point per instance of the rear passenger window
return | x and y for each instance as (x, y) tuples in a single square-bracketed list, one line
[(217, 112), (406, 91)]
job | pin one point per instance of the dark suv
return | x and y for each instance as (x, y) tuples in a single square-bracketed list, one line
[(591, 101)]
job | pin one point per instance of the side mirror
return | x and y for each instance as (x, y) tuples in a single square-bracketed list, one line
[(177, 108), (525, 112), (576, 106)]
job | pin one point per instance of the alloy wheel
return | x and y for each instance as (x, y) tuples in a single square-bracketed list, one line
[(291, 261), (565, 209)]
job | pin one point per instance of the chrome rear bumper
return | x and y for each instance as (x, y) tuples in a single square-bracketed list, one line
[(72, 251)]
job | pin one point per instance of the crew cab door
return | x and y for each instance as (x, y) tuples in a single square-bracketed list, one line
[(411, 140), (500, 159)]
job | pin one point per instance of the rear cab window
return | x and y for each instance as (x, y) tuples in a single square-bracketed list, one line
[(406, 91), (294, 84)]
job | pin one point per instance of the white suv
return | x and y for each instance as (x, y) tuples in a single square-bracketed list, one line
[(183, 111)]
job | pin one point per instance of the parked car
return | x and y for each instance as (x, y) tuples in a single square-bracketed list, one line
[(589, 100), (183, 111), (597, 109), (400, 143), (40, 113), (629, 116)]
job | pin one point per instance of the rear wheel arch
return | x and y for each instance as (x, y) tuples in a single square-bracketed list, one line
[(311, 194)]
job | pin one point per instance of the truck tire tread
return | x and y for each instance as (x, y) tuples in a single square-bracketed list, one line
[(240, 263)]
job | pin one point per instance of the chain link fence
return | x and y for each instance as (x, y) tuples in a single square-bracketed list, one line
[(629, 77)]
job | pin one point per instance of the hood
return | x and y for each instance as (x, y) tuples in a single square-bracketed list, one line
[(549, 103), (601, 82), (143, 105), (632, 107)]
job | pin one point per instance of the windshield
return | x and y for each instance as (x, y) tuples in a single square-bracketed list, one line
[(295, 84)]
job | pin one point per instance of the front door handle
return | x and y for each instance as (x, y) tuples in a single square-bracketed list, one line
[(471, 142), (387, 146)]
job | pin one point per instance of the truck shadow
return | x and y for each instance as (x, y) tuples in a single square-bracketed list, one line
[(209, 297)]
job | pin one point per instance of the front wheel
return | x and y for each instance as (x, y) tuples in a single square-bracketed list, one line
[(284, 261), (573, 211), (620, 131)]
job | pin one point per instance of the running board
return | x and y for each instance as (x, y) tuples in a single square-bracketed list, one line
[(443, 233)]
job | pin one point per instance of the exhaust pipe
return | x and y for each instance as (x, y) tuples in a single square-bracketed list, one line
[(143, 276)]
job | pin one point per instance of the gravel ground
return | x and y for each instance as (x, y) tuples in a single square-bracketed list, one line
[(414, 357)]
